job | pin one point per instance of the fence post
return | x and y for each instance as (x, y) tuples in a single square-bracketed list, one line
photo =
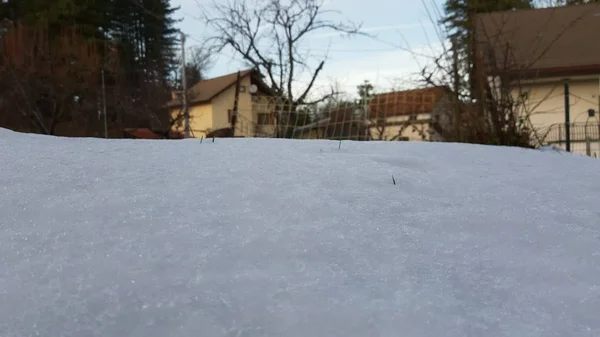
[(588, 146), (567, 118), (599, 133), (560, 134)]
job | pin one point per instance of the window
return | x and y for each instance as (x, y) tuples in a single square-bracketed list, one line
[(265, 119)]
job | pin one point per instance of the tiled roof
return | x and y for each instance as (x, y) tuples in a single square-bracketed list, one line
[(401, 103)]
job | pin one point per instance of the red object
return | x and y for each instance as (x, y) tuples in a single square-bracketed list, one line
[(144, 133)]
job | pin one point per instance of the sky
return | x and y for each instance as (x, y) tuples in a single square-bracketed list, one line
[(405, 34)]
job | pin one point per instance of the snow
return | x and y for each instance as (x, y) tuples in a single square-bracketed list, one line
[(259, 237), (554, 148)]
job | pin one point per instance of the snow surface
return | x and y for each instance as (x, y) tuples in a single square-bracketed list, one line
[(256, 237)]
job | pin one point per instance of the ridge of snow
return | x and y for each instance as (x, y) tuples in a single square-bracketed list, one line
[(266, 237)]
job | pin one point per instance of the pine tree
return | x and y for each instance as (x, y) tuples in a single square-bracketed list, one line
[(142, 31), (146, 37), (457, 13)]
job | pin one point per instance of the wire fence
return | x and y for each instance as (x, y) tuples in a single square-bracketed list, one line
[(396, 116), (412, 115)]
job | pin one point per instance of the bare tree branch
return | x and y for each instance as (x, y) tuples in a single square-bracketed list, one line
[(268, 34)]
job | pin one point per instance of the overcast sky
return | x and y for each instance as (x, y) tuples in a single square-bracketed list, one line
[(349, 62)]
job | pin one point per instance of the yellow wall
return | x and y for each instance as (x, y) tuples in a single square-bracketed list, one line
[(412, 132), (545, 105), (546, 101), (224, 102), (201, 120), (262, 104), (314, 133), (265, 131)]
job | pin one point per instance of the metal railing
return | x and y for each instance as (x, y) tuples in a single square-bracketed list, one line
[(584, 137)]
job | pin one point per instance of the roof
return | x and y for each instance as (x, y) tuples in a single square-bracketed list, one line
[(206, 90), (540, 39), (401, 103)]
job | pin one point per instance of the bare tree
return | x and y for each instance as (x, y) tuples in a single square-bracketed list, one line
[(169, 119), (269, 34), (200, 60), (380, 121), (377, 123), (48, 80), (51, 83), (488, 101)]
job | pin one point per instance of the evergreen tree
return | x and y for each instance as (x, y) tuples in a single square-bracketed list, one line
[(142, 31), (456, 17), (146, 37)]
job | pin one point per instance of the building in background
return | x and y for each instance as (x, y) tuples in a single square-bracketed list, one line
[(211, 102), (396, 116), (408, 114), (544, 56)]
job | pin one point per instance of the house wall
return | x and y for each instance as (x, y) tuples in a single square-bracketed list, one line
[(209, 117), (201, 120), (545, 100), (263, 104), (418, 130), (224, 102), (315, 133), (545, 105)]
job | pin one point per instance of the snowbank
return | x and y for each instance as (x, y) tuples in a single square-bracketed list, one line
[(295, 238), (552, 148)]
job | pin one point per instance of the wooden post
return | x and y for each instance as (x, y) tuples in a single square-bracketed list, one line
[(184, 103), (234, 112), (456, 92)]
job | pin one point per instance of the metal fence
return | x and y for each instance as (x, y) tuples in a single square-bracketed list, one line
[(584, 137)]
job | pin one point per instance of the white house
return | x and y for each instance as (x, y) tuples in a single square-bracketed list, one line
[(550, 58)]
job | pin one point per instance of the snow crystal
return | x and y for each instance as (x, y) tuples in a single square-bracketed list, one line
[(258, 237)]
